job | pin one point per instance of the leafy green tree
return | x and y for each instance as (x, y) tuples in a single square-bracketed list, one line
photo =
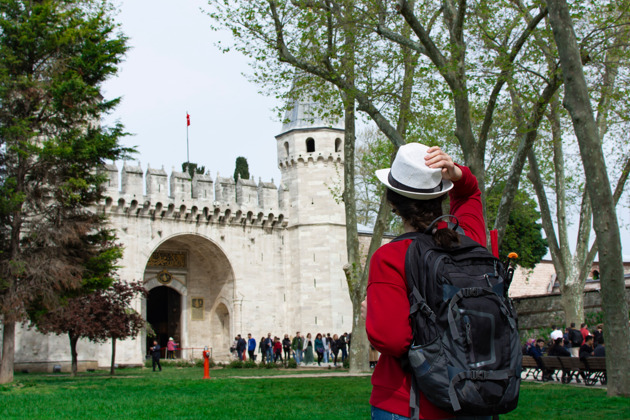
[(241, 168), (478, 60), (54, 57), (523, 233), (335, 57)]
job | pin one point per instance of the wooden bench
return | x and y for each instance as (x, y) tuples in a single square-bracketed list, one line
[(590, 370), (572, 367), (594, 370), (530, 367), (553, 364)]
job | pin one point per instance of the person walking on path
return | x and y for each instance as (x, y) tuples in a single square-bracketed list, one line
[(171, 345), (269, 348), (297, 345), (251, 347), (286, 347), (155, 355), (328, 349), (308, 350), (277, 350), (334, 347), (241, 345), (343, 346), (319, 348), (261, 349)]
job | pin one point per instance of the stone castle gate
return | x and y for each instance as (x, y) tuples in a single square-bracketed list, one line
[(220, 257)]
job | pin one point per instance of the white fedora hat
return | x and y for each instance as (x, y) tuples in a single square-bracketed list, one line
[(411, 177)]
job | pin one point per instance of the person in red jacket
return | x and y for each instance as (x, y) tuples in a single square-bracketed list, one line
[(417, 183), (277, 349)]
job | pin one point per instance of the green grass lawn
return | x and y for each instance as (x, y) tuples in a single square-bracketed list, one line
[(229, 394)]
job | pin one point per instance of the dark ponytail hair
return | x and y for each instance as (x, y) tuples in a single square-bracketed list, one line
[(420, 214)]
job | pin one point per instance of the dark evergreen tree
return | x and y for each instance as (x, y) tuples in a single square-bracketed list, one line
[(523, 234), (54, 57), (193, 168), (242, 168)]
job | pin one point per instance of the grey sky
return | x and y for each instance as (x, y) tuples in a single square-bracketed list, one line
[(174, 67)]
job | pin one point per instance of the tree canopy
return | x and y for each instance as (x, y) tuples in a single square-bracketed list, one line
[(523, 233), (54, 57), (488, 71), (241, 168), (98, 316)]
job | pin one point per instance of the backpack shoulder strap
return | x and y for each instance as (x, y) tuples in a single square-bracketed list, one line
[(416, 275)]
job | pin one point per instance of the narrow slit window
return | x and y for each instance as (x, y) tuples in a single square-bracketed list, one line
[(310, 145), (337, 145)]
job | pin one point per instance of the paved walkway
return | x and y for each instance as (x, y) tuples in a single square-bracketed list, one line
[(306, 375), (325, 370), (572, 383)]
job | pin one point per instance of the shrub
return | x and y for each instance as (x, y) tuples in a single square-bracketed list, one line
[(593, 318), (346, 363), (292, 364), (236, 364), (250, 364)]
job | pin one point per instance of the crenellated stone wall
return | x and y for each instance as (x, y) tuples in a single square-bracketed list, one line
[(197, 200)]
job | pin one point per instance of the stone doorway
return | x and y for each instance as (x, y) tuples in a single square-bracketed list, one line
[(164, 315), (202, 282)]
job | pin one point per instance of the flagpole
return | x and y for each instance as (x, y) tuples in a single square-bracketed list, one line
[(187, 149)]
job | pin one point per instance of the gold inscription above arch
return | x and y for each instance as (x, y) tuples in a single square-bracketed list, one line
[(168, 259)]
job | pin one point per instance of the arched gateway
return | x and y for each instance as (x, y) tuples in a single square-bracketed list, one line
[(190, 280)]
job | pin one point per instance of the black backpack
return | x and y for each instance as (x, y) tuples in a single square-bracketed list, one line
[(575, 336), (466, 355)]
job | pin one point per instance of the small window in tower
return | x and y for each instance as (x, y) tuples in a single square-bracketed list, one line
[(310, 145), (337, 145), (286, 148)]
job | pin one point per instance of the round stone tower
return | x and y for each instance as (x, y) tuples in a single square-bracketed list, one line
[(310, 158)]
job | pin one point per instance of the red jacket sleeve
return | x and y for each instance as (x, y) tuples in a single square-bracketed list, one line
[(465, 204), (387, 320)]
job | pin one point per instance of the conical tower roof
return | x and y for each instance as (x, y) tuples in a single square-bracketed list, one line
[(305, 114)]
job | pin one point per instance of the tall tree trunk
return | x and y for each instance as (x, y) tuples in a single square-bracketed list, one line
[(572, 296), (73, 352), (112, 367), (8, 352), (359, 349), (577, 102)]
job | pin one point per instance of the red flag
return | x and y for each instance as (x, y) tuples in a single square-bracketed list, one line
[(187, 119)]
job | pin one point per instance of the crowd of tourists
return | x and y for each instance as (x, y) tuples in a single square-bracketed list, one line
[(305, 350), (571, 342)]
